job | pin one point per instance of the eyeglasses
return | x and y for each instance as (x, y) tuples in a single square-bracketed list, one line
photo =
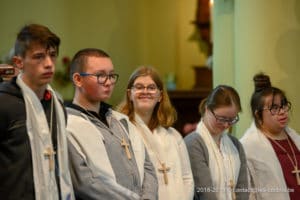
[(275, 109), (141, 88), (102, 77), (224, 120)]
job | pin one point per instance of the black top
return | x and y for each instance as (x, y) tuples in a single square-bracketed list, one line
[(16, 170), (101, 115)]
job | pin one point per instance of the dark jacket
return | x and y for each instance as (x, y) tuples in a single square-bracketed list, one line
[(16, 172)]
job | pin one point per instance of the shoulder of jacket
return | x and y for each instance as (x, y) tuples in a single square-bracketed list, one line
[(119, 115), (175, 133), (235, 141)]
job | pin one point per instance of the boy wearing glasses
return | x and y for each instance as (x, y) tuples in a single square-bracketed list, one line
[(107, 157), (272, 148)]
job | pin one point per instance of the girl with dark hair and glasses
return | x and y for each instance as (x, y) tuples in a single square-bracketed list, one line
[(217, 159), (272, 148)]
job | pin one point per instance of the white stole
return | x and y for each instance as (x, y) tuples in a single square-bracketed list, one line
[(45, 185), (87, 144), (153, 147), (224, 164), (163, 146), (264, 166)]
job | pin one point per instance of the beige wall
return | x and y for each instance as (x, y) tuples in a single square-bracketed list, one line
[(254, 36), (134, 33), (249, 36)]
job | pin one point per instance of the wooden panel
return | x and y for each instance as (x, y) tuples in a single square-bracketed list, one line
[(203, 77), (186, 102)]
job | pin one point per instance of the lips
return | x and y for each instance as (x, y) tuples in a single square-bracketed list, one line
[(107, 92), (145, 97), (283, 120), (48, 74)]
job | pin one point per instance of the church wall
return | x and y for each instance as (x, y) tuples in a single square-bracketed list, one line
[(260, 36), (133, 32)]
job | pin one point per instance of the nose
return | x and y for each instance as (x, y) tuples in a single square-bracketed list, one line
[(282, 110), (108, 81), (226, 125), (48, 61), (145, 89)]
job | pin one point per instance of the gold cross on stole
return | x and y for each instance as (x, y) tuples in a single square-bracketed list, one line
[(297, 172), (231, 185), (164, 169), (50, 154), (126, 147)]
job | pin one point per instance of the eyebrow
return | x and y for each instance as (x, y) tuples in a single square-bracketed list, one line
[(144, 84), (226, 117), (104, 72)]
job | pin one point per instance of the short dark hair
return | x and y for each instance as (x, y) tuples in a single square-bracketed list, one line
[(80, 58), (35, 34)]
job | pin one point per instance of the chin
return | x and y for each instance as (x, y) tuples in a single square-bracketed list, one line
[(104, 98), (145, 108), (45, 82), (283, 126)]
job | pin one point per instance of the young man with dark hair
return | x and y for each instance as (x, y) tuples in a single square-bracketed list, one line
[(33, 150)]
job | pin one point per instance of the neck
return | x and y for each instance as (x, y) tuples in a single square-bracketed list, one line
[(216, 136), (87, 105), (217, 139), (145, 116), (40, 93), (38, 90), (281, 135)]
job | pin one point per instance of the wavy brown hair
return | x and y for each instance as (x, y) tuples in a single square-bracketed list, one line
[(164, 113)]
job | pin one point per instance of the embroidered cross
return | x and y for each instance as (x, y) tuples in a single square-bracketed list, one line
[(231, 185), (297, 172), (49, 153), (126, 147), (164, 169)]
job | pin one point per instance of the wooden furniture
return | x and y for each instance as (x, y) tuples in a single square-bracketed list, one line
[(203, 77), (186, 102)]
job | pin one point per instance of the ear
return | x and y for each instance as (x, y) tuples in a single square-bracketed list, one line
[(18, 62), (257, 117), (129, 94), (77, 80), (256, 113), (206, 109), (160, 97)]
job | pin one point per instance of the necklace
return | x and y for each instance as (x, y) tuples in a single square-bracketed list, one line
[(123, 141), (294, 162), (49, 152), (220, 160), (163, 167), (231, 181)]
